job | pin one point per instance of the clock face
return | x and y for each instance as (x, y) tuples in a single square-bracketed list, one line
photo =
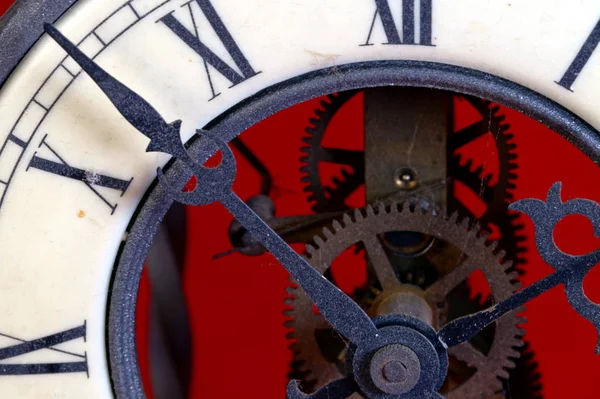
[(424, 171)]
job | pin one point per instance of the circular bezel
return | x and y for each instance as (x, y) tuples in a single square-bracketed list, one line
[(16, 38), (122, 348)]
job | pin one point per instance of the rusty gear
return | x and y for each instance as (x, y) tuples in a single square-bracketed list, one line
[(464, 249), (331, 197)]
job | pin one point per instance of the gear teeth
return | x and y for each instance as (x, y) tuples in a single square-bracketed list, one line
[(380, 207), (311, 250), (294, 347), (492, 245), (453, 218), (513, 276), (337, 226), (503, 374), (501, 254), (484, 235), (370, 211), (327, 233), (320, 113), (358, 216), (319, 242), (347, 219), (464, 223), (506, 265), (478, 171), (288, 301)]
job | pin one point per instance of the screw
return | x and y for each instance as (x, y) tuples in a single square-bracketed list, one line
[(405, 178)]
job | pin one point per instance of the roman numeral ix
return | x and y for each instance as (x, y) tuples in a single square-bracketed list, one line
[(193, 40), (89, 178), (383, 12), (49, 342)]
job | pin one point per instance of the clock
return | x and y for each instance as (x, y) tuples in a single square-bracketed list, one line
[(421, 170)]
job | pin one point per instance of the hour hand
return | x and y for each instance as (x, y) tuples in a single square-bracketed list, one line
[(164, 137)]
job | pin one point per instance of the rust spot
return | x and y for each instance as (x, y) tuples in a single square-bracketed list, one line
[(81, 214)]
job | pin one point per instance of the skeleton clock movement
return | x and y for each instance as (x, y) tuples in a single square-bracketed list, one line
[(378, 199)]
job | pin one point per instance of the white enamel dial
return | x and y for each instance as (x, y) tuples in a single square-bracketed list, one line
[(73, 171)]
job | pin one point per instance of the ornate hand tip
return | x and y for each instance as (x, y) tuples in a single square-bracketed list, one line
[(167, 139), (527, 206), (554, 194)]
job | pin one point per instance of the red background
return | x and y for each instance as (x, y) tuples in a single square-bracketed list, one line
[(236, 303)]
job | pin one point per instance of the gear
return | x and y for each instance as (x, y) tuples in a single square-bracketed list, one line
[(525, 381), (332, 197), (327, 198), (456, 251)]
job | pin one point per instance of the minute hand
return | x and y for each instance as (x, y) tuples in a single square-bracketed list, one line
[(164, 137)]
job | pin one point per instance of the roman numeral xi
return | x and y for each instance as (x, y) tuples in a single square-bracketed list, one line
[(49, 342), (192, 38)]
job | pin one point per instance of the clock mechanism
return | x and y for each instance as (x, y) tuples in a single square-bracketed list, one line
[(249, 198), (411, 256)]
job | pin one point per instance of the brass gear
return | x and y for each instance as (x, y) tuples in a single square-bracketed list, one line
[(331, 196), (471, 251)]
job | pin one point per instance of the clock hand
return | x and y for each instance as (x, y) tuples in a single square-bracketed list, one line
[(164, 137), (464, 328), (345, 315), (570, 270), (340, 310)]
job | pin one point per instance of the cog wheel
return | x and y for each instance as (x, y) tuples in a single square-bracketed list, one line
[(331, 197), (526, 380), (457, 250), (497, 196)]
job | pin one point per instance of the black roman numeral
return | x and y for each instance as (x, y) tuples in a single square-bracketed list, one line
[(49, 342), (192, 39), (89, 178), (409, 31), (581, 59)]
